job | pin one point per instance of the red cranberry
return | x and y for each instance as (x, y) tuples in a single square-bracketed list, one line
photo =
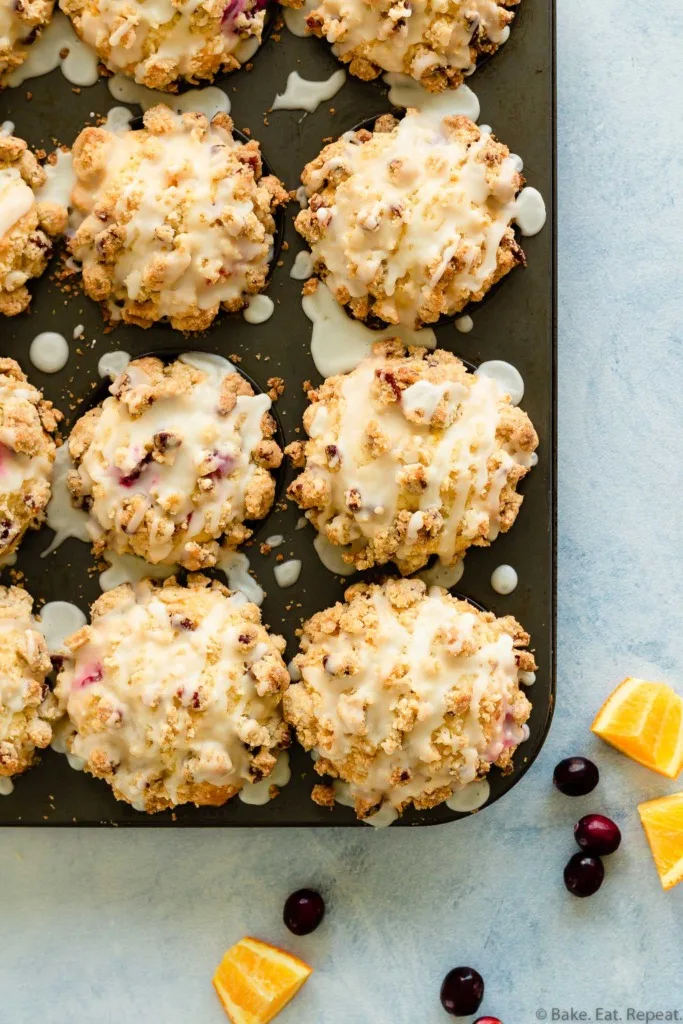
[(462, 991), (597, 834), (304, 910), (583, 875), (576, 776), (488, 1020)]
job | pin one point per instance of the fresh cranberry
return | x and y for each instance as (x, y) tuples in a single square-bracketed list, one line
[(597, 834), (583, 875), (92, 674), (576, 776), (488, 1020), (462, 991), (304, 910)]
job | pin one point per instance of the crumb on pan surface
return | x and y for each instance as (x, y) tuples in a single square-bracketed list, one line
[(436, 42), (20, 24), (164, 42), (28, 425), (27, 707), (412, 221), (408, 694), (27, 225), (173, 694), (178, 219), (411, 455), (173, 462)]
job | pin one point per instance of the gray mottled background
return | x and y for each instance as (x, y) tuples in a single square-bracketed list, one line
[(127, 927)]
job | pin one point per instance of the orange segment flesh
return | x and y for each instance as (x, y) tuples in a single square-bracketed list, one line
[(645, 721), (255, 980), (662, 820)]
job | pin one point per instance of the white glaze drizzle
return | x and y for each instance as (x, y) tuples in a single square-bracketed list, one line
[(58, 620), (62, 517), (275, 541), (406, 92), (131, 569), (302, 94), (6, 786), (111, 364), (259, 308), (504, 579), (339, 343), (287, 573), (295, 19), (257, 794), (49, 352), (507, 376), (59, 180), (302, 267), (235, 565), (118, 119), (440, 575), (208, 101), (471, 797), (464, 324), (530, 212), (79, 63), (527, 678), (331, 556)]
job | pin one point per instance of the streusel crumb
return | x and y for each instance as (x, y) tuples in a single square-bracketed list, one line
[(174, 461), (407, 695), (21, 22), (410, 455), (412, 221), (173, 694)]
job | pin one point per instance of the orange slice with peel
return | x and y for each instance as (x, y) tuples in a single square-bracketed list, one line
[(255, 980), (662, 820), (644, 720)]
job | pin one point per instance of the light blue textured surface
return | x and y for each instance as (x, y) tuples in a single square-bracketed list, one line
[(112, 927)]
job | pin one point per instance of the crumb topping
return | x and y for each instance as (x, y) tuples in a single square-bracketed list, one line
[(173, 693), (411, 221), (173, 462), (178, 219), (27, 708), (20, 25), (410, 455), (159, 42), (408, 694)]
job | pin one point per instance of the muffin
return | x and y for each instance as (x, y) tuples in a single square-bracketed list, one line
[(177, 219), (28, 425), (173, 694), (27, 707), (410, 455), (160, 45), (412, 221), (27, 225), (436, 43), (407, 695), (173, 462), (20, 26)]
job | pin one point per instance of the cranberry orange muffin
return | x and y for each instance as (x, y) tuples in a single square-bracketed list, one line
[(412, 221), (27, 707), (173, 694), (410, 455), (163, 43), (28, 425), (173, 462), (27, 225), (21, 22), (407, 695), (437, 42), (177, 219)]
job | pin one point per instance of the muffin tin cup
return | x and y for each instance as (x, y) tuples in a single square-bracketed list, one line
[(516, 91)]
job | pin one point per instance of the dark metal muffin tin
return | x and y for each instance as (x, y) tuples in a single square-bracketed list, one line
[(516, 91)]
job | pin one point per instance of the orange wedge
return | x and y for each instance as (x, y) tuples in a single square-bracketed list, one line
[(255, 980), (663, 823), (645, 721)]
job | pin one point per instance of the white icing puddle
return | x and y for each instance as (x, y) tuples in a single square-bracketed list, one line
[(294, 673), (302, 268), (49, 352), (7, 128), (235, 565), (208, 362), (445, 576), (6, 786), (118, 120), (527, 678), (57, 46), (295, 20), (58, 620), (504, 579), (339, 343), (506, 376), (406, 92), (60, 180), (302, 94), (275, 541), (111, 364), (384, 817), (530, 215), (287, 573), (471, 797), (208, 101), (62, 517), (331, 556), (131, 569), (257, 794), (259, 309), (464, 324)]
